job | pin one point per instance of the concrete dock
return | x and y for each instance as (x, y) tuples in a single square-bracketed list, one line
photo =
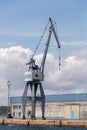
[(59, 123)]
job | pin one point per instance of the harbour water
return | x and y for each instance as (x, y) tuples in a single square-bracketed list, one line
[(4, 127)]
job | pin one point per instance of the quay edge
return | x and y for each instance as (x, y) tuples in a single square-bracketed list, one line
[(74, 123), (57, 123), (16, 122), (1, 121)]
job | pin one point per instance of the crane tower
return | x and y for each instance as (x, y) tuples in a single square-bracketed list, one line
[(35, 76)]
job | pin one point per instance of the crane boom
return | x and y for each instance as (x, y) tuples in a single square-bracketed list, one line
[(56, 37), (51, 29), (46, 50)]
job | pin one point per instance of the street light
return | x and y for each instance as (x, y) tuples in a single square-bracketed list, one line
[(8, 85)]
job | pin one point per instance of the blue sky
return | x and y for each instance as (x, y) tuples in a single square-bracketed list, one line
[(22, 21)]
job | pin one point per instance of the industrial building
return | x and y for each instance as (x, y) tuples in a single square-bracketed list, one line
[(64, 106)]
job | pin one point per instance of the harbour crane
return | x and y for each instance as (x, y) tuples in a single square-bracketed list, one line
[(35, 76)]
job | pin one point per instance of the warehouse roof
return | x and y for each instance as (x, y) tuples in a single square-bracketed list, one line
[(57, 98)]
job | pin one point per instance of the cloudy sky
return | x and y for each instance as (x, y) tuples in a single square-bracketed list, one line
[(21, 25)]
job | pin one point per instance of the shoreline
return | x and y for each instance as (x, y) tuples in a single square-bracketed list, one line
[(58, 122)]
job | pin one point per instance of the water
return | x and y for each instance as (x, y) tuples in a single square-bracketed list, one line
[(4, 127)]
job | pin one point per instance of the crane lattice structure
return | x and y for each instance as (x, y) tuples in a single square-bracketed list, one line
[(35, 76)]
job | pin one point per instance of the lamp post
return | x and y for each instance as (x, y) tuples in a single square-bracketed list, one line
[(8, 85)]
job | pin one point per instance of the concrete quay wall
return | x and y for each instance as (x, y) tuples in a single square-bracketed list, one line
[(59, 123)]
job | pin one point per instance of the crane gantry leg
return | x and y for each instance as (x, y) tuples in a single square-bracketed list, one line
[(33, 98), (42, 100)]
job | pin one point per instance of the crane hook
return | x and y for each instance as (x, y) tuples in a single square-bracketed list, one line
[(59, 62), (59, 58)]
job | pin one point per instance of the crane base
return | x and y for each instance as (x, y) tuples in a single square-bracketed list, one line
[(34, 86)]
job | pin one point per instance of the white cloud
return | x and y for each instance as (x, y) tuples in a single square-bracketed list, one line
[(12, 67), (71, 78)]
